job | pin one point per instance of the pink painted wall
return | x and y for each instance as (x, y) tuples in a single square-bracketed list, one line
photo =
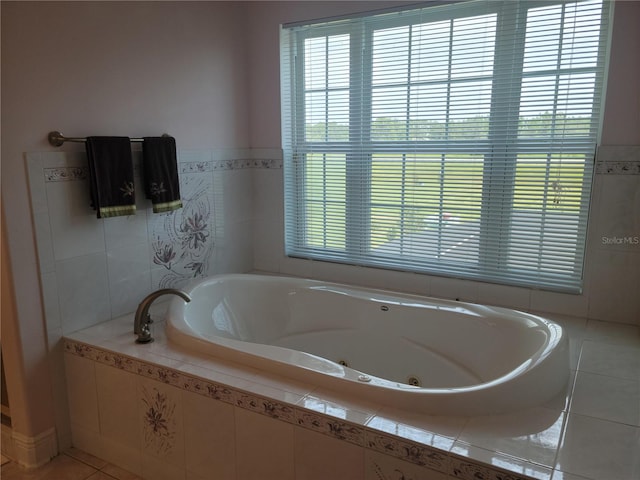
[(622, 105)]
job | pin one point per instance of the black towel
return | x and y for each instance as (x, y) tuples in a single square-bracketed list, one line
[(160, 170), (111, 176)]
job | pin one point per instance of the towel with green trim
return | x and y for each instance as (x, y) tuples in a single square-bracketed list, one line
[(111, 176), (160, 171)]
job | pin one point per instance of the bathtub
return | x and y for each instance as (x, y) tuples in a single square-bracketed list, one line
[(416, 353)]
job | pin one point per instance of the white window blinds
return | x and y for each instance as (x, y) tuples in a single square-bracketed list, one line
[(454, 140)]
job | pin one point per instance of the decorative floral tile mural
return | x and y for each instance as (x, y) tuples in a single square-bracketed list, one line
[(183, 240), (125, 258), (159, 422), (381, 467), (387, 456)]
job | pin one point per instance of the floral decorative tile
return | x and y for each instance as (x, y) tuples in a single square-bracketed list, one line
[(266, 407), (267, 163), (238, 164), (219, 392), (407, 451), (159, 424), (161, 374), (330, 426), (466, 470), (81, 350), (393, 457), (384, 467), (183, 240), (65, 174), (196, 167), (118, 361), (618, 168)]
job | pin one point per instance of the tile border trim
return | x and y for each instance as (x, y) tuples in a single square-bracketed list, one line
[(69, 174), (366, 437), (629, 167), (618, 160), (65, 174)]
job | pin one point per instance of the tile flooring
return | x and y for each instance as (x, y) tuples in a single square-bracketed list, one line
[(73, 464)]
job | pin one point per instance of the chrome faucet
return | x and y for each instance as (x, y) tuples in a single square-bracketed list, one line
[(142, 318)]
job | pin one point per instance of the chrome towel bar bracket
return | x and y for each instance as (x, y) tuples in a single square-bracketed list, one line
[(57, 139)]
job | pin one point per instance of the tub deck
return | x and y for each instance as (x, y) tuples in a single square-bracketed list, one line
[(540, 442)]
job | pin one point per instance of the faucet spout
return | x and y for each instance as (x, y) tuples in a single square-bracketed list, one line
[(142, 319)]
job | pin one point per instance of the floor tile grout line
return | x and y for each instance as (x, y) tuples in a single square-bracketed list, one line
[(77, 459), (53, 474), (97, 469)]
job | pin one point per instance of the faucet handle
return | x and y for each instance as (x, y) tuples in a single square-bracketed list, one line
[(142, 318), (145, 332)]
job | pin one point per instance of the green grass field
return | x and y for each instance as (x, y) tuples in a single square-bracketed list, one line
[(429, 186)]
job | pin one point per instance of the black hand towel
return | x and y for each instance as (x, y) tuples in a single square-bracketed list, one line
[(160, 170), (111, 176)]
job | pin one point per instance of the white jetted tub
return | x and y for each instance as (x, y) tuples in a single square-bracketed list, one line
[(417, 353)]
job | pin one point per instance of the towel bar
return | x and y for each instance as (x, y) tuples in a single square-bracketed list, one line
[(57, 139)]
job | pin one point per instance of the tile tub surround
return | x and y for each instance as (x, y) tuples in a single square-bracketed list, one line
[(186, 415), (93, 270)]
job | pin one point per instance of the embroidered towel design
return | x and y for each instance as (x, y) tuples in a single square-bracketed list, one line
[(111, 176), (160, 170)]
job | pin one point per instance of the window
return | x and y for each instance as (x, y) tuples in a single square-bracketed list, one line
[(454, 140)]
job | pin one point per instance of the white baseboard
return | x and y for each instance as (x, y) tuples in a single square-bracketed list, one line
[(30, 452)]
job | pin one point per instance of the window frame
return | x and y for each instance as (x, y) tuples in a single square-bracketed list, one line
[(361, 147)]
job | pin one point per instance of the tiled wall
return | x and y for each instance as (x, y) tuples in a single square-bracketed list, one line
[(232, 221), (96, 269), (92, 270), (613, 261), (612, 269), (161, 424), (159, 431)]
